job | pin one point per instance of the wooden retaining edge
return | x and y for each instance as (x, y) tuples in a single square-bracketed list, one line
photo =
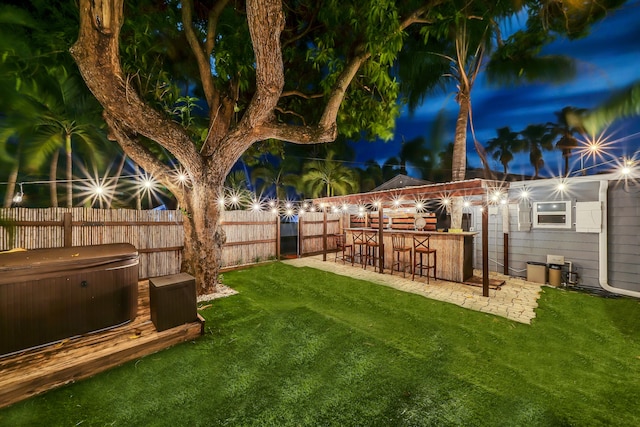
[(88, 365)]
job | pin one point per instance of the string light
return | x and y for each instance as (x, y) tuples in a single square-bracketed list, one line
[(102, 189), (19, 195)]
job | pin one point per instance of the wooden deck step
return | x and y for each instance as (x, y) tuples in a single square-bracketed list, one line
[(34, 371)]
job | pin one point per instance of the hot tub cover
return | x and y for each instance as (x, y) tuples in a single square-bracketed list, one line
[(43, 263)]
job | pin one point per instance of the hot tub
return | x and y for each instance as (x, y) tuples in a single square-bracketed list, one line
[(47, 295)]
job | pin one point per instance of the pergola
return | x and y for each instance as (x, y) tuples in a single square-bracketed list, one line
[(476, 192)]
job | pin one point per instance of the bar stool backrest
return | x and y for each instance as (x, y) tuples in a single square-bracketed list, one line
[(421, 243), (358, 237), (398, 241), (371, 237), (340, 240)]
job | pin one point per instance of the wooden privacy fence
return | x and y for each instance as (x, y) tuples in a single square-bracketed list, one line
[(311, 231), (158, 236), (252, 237)]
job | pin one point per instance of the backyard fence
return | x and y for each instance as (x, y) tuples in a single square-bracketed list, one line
[(311, 229), (251, 237), (157, 235)]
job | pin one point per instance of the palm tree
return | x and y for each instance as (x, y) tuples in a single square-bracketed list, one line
[(370, 176), (567, 142), (277, 177), (47, 106), (328, 177), (624, 104), (391, 168), (503, 146), (535, 139), (68, 117)]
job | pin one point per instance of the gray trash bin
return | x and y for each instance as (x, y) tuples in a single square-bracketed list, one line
[(536, 272), (555, 275)]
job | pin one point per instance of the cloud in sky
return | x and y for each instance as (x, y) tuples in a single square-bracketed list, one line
[(608, 61)]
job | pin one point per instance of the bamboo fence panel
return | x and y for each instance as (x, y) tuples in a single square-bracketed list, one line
[(311, 232), (251, 237), (157, 235)]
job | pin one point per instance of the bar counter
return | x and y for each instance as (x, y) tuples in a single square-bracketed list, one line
[(454, 251)]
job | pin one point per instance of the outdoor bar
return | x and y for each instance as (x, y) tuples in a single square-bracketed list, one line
[(454, 261), (454, 248)]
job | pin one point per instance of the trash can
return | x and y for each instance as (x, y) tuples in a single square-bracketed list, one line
[(536, 272), (555, 275)]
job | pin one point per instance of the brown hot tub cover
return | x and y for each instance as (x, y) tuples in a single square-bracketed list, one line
[(51, 294)]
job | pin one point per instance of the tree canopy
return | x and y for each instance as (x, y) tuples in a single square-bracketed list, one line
[(202, 81)]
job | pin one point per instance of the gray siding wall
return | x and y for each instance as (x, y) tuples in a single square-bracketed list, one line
[(624, 235), (579, 248)]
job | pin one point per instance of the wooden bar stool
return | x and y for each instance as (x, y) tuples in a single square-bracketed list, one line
[(344, 247), (360, 244), (421, 247), (400, 248), (372, 246)]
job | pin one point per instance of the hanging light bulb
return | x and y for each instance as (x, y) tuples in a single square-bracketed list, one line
[(18, 197)]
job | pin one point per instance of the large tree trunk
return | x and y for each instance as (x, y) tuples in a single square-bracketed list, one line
[(69, 155), (123, 160), (459, 163), (53, 176), (11, 181), (204, 237)]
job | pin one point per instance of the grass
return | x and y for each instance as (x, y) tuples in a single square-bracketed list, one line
[(309, 348)]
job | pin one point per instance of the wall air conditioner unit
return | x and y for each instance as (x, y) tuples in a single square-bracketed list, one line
[(552, 214)]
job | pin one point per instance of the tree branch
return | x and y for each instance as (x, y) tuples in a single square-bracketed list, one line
[(266, 22), (301, 94), (212, 25), (330, 113), (98, 59), (293, 113), (201, 53), (139, 154)]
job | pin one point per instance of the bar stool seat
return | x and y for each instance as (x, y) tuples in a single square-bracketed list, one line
[(359, 244), (343, 247), (372, 249), (400, 248), (421, 247)]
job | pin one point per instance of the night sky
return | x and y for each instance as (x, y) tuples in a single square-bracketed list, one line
[(608, 61)]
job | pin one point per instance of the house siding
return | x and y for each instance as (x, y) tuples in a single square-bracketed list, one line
[(582, 249), (624, 235)]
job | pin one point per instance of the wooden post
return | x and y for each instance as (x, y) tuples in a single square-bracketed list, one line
[(277, 236), (68, 230), (505, 237), (505, 246), (300, 235), (485, 250), (324, 234), (381, 239)]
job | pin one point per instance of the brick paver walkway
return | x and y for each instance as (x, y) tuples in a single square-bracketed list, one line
[(515, 300)]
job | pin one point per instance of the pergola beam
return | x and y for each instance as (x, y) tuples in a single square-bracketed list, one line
[(474, 187)]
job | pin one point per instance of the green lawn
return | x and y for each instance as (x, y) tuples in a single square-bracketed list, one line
[(306, 347)]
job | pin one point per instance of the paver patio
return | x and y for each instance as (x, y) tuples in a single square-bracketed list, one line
[(515, 300)]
